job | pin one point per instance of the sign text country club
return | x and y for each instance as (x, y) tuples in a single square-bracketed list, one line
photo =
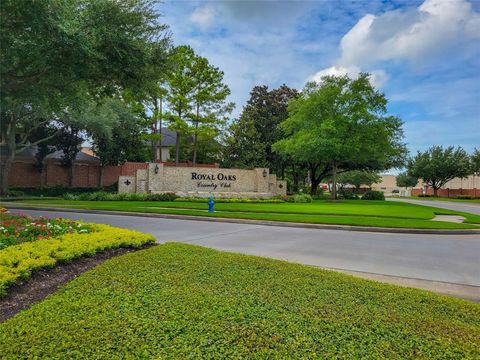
[(223, 178)]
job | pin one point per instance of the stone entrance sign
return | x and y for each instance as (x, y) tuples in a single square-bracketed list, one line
[(200, 181)]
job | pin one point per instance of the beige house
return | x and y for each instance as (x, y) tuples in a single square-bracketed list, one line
[(388, 185)]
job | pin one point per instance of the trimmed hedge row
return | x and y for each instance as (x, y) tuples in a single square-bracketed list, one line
[(19, 261), (105, 196), (230, 200)]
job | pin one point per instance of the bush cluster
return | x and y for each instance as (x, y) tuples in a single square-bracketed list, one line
[(466, 197), (347, 195), (106, 196), (56, 191), (230, 200), (373, 195), (302, 198), (19, 261)]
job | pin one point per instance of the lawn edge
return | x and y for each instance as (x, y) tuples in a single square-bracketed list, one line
[(257, 222)]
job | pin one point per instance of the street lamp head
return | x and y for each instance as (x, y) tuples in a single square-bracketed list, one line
[(156, 169)]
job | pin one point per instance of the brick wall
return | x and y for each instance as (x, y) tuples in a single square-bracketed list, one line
[(448, 192), (24, 174)]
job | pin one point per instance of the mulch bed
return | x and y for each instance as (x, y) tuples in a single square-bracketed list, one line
[(42, 283)]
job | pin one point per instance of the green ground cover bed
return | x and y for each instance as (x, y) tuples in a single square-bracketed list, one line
[(346, 212), (184, 301), (29, 244)]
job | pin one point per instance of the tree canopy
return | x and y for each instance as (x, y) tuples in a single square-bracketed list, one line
[(252, 136), (405, 180), (54, 52), (340, 124), (437, 166)]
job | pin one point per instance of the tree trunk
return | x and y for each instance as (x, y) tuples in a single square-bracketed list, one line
[(160, 130), (314, 181), (435, 191), (295, 178), (8, 140), (195, 137), (334, 182), (5, 167), (177, 148)]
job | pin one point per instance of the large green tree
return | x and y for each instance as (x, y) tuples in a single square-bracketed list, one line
[(180, 85), (257, 129), (475, 160), (437, 166), (196, 97), (82, 120), (210, 102), (53, 50), (340, 124), (405, 180), (126, 141)]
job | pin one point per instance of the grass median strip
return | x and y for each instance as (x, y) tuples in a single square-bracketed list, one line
[(355, 213), (184, 301)]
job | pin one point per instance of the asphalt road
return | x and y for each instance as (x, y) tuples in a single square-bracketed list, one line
[(473, 208), (451, 259)]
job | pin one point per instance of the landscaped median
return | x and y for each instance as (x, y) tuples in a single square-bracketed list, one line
[(346, 212), (184, 301), (28, 244)]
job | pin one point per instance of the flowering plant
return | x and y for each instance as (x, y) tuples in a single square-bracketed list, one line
[(20, 228)]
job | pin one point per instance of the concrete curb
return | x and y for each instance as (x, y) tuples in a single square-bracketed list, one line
[(258, 222)]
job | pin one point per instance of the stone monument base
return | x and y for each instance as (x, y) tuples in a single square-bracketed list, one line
[(204, 182)]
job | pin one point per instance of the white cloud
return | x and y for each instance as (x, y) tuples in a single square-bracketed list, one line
[(377, 77), (203, 17), (415, 35)]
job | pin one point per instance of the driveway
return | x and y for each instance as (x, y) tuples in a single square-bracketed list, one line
[(451, 260), (473, 208)]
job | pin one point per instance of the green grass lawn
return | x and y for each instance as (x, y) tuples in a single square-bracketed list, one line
[(184, 301), (349, 212)]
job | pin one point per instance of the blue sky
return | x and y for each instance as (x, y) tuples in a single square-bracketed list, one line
[(425, 55)]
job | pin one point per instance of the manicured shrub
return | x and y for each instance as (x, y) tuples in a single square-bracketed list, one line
[(302, 198), (425, 195), (466, 197), (161, 197), (19, 261), (373, 195), (60, 191), (347, 195), (15, 193), (231, 200)]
